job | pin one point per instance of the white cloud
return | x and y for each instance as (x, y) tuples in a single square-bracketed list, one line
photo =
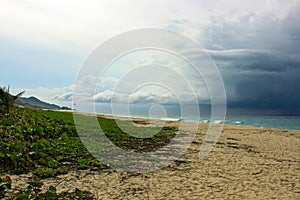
[(79, 26), (105, 96), (64, 97), (76, 26), (152, 97), (148, 97)]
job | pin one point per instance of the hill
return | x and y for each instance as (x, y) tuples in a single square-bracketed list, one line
[(33, 102)]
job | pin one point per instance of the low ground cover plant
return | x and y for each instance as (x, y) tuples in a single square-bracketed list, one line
[(47, 144)]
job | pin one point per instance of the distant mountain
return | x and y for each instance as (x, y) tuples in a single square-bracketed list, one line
[(33, 102)]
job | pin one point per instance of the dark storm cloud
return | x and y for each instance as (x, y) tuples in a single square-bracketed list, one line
[(261, 80), (259, 58), (254, 60)]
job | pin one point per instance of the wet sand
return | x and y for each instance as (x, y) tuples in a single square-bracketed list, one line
[(246, 163)]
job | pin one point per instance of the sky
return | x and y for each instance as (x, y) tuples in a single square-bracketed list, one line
[(254, 44)]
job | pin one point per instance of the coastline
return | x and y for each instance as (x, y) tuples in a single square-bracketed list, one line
[(132, 118), (247, 162)]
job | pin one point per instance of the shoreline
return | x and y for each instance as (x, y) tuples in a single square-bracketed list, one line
[(132, 118)]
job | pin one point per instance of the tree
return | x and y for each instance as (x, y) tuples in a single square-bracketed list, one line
[(7, 100)]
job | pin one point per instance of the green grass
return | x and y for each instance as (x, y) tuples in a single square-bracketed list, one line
[(161, 137), (65, 116)]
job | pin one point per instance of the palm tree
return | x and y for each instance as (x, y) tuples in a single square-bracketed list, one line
[(7, 100)]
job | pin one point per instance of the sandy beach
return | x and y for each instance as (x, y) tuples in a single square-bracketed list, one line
[(246, 163)]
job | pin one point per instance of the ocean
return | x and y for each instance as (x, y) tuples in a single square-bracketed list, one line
[(234, 116)]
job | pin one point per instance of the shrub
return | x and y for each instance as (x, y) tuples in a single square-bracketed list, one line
[(7, 100)]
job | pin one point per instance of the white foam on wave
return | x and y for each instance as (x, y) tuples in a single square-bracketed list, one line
[(218, 121), (238, 122), (170, 119)]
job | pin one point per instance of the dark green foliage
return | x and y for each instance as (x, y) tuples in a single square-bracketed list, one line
[(34, 191), (78, 193), (44, 172), (5, 184), (62, 170), (31, 138), (34, 188), (53, 163), (83, 163), (7, 100), (47, 144)]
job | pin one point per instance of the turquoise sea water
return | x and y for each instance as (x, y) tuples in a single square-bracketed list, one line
[(280, 122), (245, 117)]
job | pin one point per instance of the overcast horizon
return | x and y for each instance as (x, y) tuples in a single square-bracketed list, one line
[(254, 44)]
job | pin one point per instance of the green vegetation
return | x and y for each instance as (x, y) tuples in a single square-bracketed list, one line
[(7, 100), (230, 138), (220, 143), (31, 139), (44, 172), (33, 191), (47, 144), (5, 184), (129, 142)]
